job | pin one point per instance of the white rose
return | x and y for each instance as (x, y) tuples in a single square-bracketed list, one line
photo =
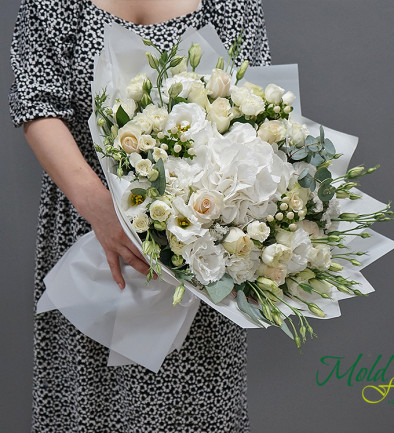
[(274, 93), (258, 230), (297, 133), (205, 259), (242, 269), (277, 274), (257, 90), (128, 106), (127, 138), (253, 105), (159, 211), (320, 256), (143, 122), (239, 94), (219, 84), (288, 98), (206, 205), (276, 254), (198, 94), (219, 114), (141, 223), (159, 154), (237, 242), (272, 131), (134, 89), (143, 167), (146, 142), (176, 245)]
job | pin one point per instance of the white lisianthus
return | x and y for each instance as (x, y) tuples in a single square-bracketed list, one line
[(160, 211), (146, 142), (237, 242), (190, 116), (319, 256), (132, 204), (176, 245), (277, 274), (297, 133), (276, 254), (143, 122), (143, 167), (198, 94), (128, 106), (288, 98), (274, 93), (205, 259), (128, 138), (159, 154), (218, 85), (134, 89), (219, 113), (258, 230), (206, 205), (157, 116), (311, 228), (141, 223), (272, 131), (242, 269), (249, 103)]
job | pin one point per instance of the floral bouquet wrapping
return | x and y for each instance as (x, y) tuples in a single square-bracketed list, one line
[(232, 196)]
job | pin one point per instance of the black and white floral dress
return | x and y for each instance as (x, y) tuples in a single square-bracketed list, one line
[(202, 388)]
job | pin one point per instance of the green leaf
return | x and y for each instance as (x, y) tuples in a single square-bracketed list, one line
[(315, 159), (322, 174), (303, 174), (178, 100), (246, 308), (218, 290), (121, 117), (310, 140), (321, 134), (308, 182), (299, 154), (160, 182), (306, 287), (138, 191), (326, 191), (165, 257), (329, 147), (286, 330)]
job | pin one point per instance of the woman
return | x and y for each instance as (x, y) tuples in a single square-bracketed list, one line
[(202, 388)]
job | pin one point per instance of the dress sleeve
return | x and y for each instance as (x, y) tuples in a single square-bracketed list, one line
[(234, 16), (41, 54)]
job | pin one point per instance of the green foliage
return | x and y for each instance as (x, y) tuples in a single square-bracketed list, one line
[(218, 290)]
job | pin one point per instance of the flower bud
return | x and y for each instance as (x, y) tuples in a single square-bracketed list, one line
[(306, 274), (349, 185), (347, 216), (297, 341), (176, 61), (283, 206), (343, 289), (334, 238), (335, 267), (177, 148), (148, 248), (302, 213), (293, 227), (147, 42), (277, 319), (146, 100), (358, 293), (279, 216), (175, 90), (153, 175), (119, 172), (270, 218), (220, 63), (303, 332), (160, 225), (178, 295), (242, 70), (287, 109), (100, 122), (152, 192), (325, 164), (153, 61), (195, 54), (355, 262), (365, 235), (342, 194), (290, 215), (164, 146), (277, 109), (371, 170), (355, 172), (114, 131), (355, 196), (147, 86), (177, 260), (267, 312), (313, 308)]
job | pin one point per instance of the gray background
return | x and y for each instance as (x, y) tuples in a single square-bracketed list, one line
[(344, 49)]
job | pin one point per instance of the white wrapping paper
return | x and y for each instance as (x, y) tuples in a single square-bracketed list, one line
[(140, 324)]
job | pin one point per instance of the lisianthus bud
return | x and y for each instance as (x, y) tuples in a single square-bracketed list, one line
[(195, 55), (313, 308), (153, 61), (342, 194), (297, 341), (178, 295), (355, 196), (147, 42), (355, 262), (114, 131), (220, 63), (266, 284), (177, 260), (148, 248), (100, 122), (267, 312), (355, 171), (348, 216), (152, 192), (147, 86), (365, 235), (180, 67), (119, 172), (242, 70), (160, 225), (335, 267), (175, 90), (306, 274), (372, 169), (277, 319), (176, 61), (146, 100), (153, 175)]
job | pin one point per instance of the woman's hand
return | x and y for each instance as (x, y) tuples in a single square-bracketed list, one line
[(113, 239), (59, 155)]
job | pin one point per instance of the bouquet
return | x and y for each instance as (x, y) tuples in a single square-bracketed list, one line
[(225, 190)]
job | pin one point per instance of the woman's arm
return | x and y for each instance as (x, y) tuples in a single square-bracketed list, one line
[(57, 152)]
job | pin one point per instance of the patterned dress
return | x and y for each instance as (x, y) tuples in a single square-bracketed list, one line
[(201, 388)]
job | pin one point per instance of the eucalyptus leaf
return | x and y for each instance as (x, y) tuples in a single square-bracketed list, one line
[(306, 181), (315, 159), (322, 174), (299, 154), (310, 140), (303, 174), (321, 134), (286, 330), (329, 147), (246, 308), (326, 191), (160, 182), (218, 290), (314, 147), (121, 117)]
